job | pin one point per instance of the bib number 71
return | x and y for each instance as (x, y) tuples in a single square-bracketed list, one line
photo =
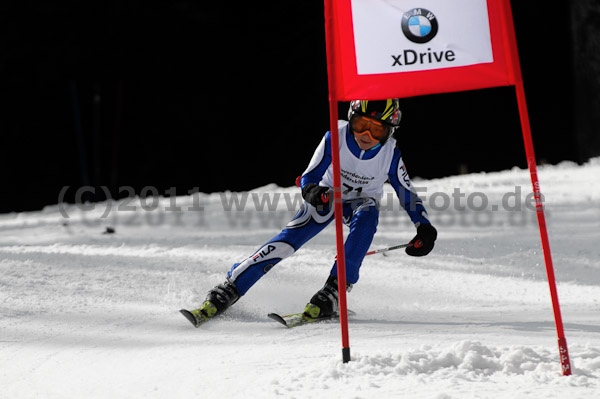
[(349, 188)]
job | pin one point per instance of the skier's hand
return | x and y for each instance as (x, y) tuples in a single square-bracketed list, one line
[(316, 195), (423, 242)]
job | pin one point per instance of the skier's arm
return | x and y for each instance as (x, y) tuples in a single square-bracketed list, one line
[(410, 201), (423, 242), (319, 163)]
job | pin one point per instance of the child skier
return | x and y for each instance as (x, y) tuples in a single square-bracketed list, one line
[(368, 158)]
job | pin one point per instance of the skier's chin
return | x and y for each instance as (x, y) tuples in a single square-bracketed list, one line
[(365, 144)]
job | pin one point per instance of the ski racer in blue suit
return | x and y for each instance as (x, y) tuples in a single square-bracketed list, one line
[(369, 157)]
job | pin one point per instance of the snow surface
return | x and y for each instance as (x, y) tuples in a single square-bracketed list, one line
[(92, 315)]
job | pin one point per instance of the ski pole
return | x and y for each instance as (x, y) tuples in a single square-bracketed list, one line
[(378, 251)]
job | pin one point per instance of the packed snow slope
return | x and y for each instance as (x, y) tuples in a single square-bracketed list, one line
[(88, 314)]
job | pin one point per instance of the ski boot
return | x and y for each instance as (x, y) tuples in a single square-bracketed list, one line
[(217, 301), (324, 304)]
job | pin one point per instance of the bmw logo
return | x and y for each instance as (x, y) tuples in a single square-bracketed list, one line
[(419, 25)]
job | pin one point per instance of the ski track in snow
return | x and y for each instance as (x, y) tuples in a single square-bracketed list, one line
[(86, 314)]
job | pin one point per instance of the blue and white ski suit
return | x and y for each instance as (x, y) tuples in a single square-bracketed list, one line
[(363, 174)]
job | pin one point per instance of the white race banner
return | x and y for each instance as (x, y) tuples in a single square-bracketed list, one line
[(417, 35)]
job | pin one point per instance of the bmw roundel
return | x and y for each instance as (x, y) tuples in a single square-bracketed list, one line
[(419, 25)]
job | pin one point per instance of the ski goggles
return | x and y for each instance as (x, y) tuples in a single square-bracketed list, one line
[(375, 129)]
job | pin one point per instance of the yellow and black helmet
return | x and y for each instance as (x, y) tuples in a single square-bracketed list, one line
[(387, 111)]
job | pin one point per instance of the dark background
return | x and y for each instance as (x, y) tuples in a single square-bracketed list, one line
[(223, 96)]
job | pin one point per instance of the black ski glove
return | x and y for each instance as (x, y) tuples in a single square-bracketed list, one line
[(422, 244), (316, 195)]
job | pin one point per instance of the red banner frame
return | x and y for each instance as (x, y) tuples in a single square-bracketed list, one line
[(350, 85)]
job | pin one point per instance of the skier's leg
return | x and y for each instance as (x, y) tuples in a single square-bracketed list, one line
[(362, 217), (307, 223), (362, 220)]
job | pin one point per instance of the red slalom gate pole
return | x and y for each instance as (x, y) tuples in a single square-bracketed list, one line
[(339, 235), (337, 181), (513, 54), (539, 207)]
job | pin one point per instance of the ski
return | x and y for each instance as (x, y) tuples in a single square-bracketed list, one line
[(299, 319), (192, 318), (296, 319)]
